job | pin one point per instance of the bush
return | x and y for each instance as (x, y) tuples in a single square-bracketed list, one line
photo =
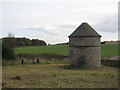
[(7, 51), (103, 42)]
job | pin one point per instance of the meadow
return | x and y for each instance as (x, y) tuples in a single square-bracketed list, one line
[(50, 49), (56, 73), (56, 76), (106, 50)]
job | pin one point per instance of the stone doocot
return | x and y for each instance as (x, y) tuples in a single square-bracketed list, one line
[(85, 51)]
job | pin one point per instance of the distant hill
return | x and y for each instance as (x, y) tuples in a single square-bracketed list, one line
[(17, 42), (111, 42), (62, 43)]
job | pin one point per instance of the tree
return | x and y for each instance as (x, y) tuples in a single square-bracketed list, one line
[(15, 42), (7, 51), (0, 49), (10, 35)]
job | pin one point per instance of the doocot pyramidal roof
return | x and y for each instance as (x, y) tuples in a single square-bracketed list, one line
[(85, 30)]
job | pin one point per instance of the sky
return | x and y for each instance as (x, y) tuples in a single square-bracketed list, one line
[(54, 20)]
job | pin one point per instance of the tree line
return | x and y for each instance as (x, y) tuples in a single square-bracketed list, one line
[(8, 43), (18, 42)]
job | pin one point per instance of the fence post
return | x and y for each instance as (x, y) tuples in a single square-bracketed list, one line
[(38, 60), (22, 61)]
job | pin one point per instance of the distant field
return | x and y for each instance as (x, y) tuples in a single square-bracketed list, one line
[(106, 50), (110, 50), (51, 49)]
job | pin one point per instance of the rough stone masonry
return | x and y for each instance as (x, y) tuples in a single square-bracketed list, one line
[(85, 47)]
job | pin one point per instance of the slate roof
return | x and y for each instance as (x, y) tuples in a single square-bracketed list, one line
[(85, 30)]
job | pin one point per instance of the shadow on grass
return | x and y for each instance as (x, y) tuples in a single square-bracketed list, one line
[(69, 67)]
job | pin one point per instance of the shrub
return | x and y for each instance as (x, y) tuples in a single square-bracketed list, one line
[(7, 51)]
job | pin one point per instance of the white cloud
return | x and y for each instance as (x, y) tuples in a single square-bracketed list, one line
[(108, 24), (67, 26), (45, 30), (86, 1), (49, 34), (54, 20)]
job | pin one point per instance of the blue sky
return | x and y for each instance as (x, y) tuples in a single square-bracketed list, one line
[(54, 20)]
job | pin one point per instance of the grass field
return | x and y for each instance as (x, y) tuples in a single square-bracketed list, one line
[(106, 49), (52, 74), (50, 49), (55, 76)]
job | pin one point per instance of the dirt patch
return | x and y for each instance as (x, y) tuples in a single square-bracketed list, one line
[(16, 78)]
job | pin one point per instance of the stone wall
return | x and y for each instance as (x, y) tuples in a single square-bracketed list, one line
[(85, 51), (85, 56), (84, 41), (114, 63)]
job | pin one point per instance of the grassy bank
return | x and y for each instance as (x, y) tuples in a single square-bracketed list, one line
[(106, 50)]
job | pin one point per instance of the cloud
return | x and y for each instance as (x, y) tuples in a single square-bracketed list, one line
[(50, 34), (53, 30), (55, 20), (45, 30), (67, 26), (108, 24)]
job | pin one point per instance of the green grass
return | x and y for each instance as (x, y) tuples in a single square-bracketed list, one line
[(51, 74), (54, 76), (110, 50), (51, 49), (106, 49)]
